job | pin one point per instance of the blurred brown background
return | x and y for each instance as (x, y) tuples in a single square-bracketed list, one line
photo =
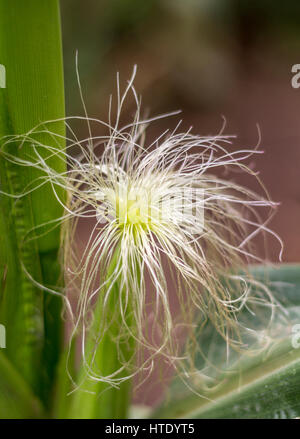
[(209, 58)]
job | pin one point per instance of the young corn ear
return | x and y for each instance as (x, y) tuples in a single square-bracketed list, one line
[(162, 215)]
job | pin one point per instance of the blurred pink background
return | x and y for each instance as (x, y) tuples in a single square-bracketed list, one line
[(211, 59)]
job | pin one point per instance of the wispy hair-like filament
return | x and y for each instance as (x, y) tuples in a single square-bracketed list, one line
[(162, 210)]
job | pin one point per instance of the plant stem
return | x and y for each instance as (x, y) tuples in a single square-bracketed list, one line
[(107, 401)]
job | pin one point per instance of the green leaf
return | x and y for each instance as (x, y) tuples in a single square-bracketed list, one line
[(16, 399), (63, 384), (264, 386), (31, 53)]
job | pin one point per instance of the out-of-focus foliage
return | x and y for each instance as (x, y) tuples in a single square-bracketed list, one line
[(189, 52), (262, 386)]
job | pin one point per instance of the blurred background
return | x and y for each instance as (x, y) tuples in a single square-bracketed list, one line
[(212, 59)]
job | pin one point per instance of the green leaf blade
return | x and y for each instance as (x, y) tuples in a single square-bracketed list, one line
[(31, 53), (16, 399), (265, 386)]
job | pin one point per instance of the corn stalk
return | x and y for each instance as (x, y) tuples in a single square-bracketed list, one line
[(31, 54)]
